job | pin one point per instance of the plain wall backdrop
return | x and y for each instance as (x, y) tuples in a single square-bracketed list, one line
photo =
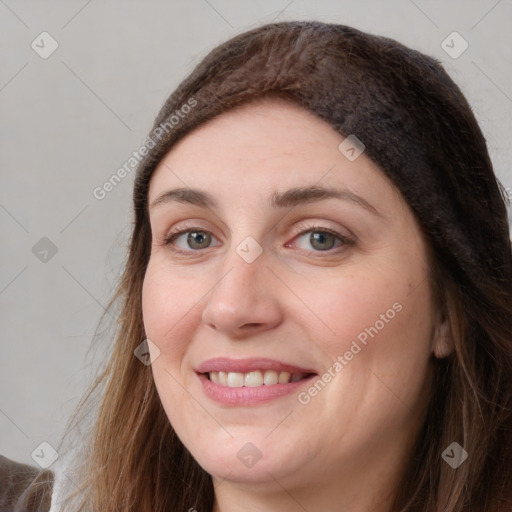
[(69, 119)]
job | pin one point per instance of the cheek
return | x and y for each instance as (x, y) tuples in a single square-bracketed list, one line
[(383, 351), (346, 307), (168, 309), (168, 314), (381, 319)]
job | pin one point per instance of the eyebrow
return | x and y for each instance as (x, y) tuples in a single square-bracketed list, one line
[(286, 199)]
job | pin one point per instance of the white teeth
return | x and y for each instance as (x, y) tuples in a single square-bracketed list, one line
[(270, 378), (235, 380), (254, 379)]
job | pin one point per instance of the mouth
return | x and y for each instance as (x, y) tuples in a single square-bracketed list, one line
[(255, 378), (250, 381)]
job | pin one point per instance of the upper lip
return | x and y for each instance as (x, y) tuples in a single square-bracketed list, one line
[(226, 364)]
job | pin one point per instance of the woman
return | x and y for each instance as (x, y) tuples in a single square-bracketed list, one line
[(316, 306)]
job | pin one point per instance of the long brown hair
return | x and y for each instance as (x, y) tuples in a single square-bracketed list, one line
[(418, 127)]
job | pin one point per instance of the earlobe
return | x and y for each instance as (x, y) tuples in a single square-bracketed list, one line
[(442, 344)]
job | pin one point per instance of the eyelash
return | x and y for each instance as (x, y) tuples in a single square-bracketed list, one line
[(346, 241)]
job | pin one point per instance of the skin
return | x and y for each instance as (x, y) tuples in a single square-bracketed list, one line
[(347, 448)]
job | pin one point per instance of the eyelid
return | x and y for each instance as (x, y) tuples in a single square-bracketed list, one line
[(346, 240), (317, 226), (302, 229), (182, 229)]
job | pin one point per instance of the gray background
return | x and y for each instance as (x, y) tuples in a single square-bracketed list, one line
[(70, 121)]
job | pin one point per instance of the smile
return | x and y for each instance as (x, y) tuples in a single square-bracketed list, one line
[(246, 382), (254, 378)]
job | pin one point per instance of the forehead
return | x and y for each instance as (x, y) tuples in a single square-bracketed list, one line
[(264, 146)]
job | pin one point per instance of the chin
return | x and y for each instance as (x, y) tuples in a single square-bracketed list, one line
[(240, 460)]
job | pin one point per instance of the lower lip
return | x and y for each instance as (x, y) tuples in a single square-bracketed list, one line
[(249, 395)]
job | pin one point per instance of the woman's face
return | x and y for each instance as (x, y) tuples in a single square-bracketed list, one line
[(293, 313)]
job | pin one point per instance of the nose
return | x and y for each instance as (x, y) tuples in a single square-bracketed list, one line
[(244, 301)]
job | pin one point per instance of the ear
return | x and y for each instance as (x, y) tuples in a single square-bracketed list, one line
[(442, 341)]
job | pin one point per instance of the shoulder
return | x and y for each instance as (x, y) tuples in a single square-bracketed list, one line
[(24, 488)]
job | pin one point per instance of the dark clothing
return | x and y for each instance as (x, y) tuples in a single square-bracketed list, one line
[(24, 488)]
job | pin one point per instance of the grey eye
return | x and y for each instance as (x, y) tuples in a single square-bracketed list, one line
[(198, 239)]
